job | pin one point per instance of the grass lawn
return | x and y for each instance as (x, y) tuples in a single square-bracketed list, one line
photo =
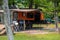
[(46, 25), (23, 36)]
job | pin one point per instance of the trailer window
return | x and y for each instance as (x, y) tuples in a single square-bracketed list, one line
[(29, 15)]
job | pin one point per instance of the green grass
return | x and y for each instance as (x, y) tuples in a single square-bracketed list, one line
[(21, 36), (46, 25)]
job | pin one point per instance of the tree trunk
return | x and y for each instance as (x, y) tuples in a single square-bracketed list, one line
[(30, 4), (36, 6), (1, 7), (56, 17), (7, 20)]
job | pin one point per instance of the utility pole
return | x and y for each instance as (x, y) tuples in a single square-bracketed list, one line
[(7, 20)]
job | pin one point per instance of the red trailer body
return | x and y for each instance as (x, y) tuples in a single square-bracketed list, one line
[(30, 16)]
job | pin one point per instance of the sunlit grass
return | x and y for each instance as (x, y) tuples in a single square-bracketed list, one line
[(23, 36), (46, 25)]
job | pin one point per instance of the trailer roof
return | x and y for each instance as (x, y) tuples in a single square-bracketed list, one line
[(20, 10), (23, 10)]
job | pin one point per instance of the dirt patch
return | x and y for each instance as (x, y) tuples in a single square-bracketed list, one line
[(34, 32)]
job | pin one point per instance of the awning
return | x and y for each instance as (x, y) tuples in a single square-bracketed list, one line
[(21, 10)]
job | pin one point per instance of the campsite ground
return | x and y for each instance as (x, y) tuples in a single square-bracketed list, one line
[(36, 34)]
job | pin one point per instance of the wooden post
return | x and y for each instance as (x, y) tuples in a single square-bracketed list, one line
[(11, 14), (24, 25), (7, 20)]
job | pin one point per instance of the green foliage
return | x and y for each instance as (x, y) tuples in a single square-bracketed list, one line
[(47, 6), (22, 3), (0, 2), (11, 2)]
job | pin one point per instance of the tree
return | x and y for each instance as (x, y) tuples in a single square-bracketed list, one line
[(55, 12), (12, 4), (7, 20), (56, 5), (1, 4), (30, 4)]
